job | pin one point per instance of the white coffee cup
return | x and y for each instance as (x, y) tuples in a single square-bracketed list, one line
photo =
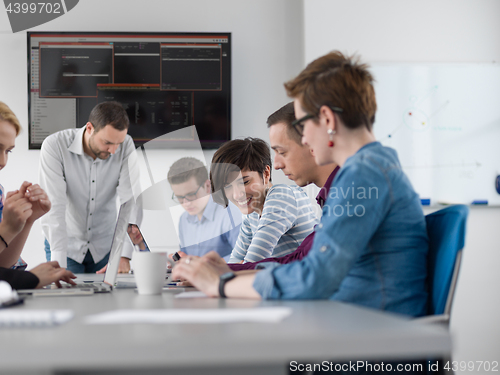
[(149, 270)]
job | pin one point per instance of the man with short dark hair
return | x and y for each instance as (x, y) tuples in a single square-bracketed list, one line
[(205, 225), (83, 171), (297, 163)]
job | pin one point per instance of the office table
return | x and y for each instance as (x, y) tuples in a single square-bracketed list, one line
[(316, 331)]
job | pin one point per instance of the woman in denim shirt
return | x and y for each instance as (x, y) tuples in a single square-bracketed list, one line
[(371, 245)]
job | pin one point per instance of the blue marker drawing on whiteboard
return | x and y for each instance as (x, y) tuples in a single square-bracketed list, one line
[(497, 184), (480, 202)]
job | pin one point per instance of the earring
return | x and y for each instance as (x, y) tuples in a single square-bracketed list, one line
[(331, 132)]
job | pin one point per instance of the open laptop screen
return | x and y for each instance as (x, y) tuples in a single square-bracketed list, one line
[(117, 243)]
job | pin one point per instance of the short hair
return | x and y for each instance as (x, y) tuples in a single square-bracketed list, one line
[(109, 113), (186, 168), (7, 115), (285, 115), (340, 81), (252, 154)]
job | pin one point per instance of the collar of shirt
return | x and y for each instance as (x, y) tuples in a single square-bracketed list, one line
[(323, 193), (76, 146), (208, 213)]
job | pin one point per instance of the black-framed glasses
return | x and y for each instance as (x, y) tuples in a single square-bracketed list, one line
[(298, 124), (188, 197)]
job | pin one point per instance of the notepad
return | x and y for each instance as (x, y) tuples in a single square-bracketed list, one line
[(195, 294), (177, 316), (16, 318)]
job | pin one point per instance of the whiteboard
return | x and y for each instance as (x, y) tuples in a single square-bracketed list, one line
[(444, 122)]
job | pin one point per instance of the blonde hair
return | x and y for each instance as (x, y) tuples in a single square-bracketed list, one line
[(7, 115)]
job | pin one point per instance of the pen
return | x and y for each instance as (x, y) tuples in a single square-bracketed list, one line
[(480, 202), (171, 262)]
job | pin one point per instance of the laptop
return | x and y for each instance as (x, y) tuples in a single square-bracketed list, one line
[(115, 254)]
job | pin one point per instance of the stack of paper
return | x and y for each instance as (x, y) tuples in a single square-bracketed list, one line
[(34, 318), (176, 316)]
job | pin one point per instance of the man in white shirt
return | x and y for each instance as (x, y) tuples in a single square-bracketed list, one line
[(83, 170)]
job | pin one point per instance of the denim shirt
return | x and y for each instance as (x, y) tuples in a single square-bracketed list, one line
[(370, 247)]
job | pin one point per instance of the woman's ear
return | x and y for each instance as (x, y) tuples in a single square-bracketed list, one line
[(267, 174), (328, 117)]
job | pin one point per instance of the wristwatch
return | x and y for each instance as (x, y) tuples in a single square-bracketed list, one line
[(223, 279)]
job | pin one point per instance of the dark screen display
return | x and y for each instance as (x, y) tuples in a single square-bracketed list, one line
[(165, 81)]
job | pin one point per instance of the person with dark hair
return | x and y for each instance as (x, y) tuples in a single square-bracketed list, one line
[(371, 245), (297, 163), (18, 211), (83, 171), (278, 217), (205, 225)]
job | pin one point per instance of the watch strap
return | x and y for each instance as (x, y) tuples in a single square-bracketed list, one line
[(223, 279)]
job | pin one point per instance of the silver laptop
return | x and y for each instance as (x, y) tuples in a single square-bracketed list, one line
[(111, 271)]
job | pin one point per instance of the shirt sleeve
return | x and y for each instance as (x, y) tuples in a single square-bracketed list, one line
[(19, 279), (242, 243), (53, 181), (278, 216), (128, 187), (348, 223), (298, 254)]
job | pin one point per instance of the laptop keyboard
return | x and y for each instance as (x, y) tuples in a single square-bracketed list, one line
[(98, 287)]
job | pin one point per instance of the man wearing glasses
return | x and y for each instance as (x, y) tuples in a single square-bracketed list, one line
[(205, 226)]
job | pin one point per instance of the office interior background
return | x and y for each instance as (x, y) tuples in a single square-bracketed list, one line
[(272, 40)]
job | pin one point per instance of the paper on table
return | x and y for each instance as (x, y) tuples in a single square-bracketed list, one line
[(176, 316), (34, 318), (197, 294)]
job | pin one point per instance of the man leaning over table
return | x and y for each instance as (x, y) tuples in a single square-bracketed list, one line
[(83, 171)]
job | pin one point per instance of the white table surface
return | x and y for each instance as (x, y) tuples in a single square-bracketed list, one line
[(316, 331)]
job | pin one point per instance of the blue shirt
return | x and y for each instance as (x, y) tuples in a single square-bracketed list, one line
[(371, 245), (287, 218), (217, 230)]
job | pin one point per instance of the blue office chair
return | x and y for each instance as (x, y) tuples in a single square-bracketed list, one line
[(446, 231)]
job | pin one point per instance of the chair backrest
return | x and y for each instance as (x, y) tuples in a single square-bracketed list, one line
[(446, 231)]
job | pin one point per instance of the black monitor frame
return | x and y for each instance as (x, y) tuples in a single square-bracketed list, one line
[(208, 99)]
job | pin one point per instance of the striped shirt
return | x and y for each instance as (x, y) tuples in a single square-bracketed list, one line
[(287, 218)]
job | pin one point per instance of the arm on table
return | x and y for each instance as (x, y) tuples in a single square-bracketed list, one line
[(50, 272), (203, 275), (335, 250)]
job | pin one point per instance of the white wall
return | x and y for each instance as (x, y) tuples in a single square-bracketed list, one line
[(430, 31), (267, 47)]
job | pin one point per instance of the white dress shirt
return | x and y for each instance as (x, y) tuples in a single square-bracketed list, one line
[(83, 194)]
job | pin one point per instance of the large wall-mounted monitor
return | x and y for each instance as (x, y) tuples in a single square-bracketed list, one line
[(165, 81)]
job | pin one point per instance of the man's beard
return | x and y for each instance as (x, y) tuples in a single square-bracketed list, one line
[(99, 154)]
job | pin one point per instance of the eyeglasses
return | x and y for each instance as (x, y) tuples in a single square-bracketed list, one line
[(188, 197), (298, 124)]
